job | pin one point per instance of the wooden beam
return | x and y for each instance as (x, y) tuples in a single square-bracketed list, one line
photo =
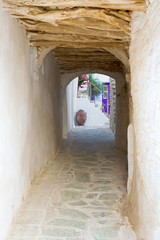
[(42, 28), (120, 15), (77, 44), (78, 50), (112, 53), (119, 36), (89, 24), (84, 54), (84, 57), (133, 5), (75, 38), (90, 65), (54, 17), (100, 59), (87, 67), (69, 26), (73, 52)]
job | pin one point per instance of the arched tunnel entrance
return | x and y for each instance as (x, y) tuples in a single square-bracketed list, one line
[(121, 108), (95, 94)]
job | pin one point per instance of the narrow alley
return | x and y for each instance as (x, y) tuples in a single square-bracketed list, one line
[(77, 196), (59, 181)]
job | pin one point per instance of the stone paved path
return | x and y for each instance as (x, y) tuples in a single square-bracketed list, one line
[(77, 196)]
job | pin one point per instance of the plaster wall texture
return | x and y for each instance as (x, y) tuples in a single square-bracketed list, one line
[(64, 117), (122, 113), (29, 117), (71, 95), (144, 196)]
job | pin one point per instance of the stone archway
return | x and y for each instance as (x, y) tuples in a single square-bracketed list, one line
[(122, 103)]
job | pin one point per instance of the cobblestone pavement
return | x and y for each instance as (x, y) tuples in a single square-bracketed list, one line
[(77, 196)]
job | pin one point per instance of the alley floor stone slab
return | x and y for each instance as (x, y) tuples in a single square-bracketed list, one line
[(78, 195)]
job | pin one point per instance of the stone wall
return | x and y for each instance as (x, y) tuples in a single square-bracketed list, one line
[(122, 113), (29, 116), (112, 105), (144, 186)]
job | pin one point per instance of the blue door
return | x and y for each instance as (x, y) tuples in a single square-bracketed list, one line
[(106, 98)]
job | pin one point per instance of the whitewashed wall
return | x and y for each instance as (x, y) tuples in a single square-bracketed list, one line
[(144, 198), (101, 77), (29, 117), (71, 95)]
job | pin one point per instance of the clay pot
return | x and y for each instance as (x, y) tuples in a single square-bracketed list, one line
[(81, 117)]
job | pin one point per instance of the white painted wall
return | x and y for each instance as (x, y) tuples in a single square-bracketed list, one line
[(144, 198), (95, 117), (101, 77), (71, 96), (29, 117)]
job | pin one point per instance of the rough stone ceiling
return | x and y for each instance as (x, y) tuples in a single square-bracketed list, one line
[(85, 34)]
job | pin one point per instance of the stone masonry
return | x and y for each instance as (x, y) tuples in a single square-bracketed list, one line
[(113, 105)]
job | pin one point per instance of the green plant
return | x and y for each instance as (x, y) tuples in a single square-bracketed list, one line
[(82, 80), (97, 85), (103, 106)]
